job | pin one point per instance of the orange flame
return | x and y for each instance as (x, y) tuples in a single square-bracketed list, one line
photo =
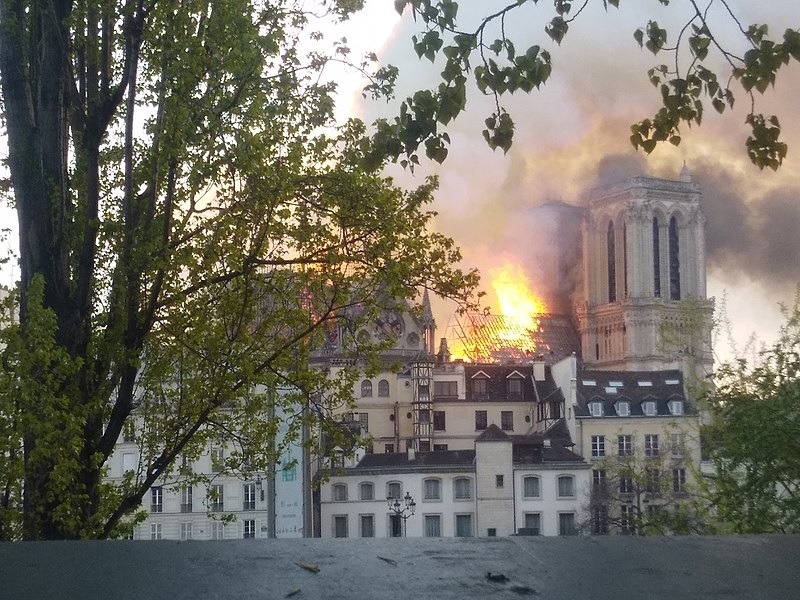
[(505, 329), (517, 301)]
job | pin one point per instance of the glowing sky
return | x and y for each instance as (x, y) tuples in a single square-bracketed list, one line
[(574, 134)]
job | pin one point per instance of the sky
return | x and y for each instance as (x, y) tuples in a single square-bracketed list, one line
[(573, 134)]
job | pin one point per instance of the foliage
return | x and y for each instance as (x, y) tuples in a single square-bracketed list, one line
[(754, 438), (638, 495), (191, 226), (698, 71)]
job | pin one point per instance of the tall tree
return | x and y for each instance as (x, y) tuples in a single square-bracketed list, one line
[(190, 228), (754, 439)]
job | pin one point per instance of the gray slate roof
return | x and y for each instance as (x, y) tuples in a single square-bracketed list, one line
[(635, 386)]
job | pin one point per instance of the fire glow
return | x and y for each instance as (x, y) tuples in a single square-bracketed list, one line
[(494, 336)]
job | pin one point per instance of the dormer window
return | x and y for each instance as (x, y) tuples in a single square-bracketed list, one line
[(676, 407), (480, 386), (649, 408), (623, 408), (515, 387), (596, 409)]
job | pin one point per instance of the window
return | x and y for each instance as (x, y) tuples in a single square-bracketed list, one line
[(678, 480), (462, 488), (625, 445), (674, 262), (566, 524), (626, 518), (394, 490), (515, 387), (651, 444), (217, 459), (596, 409), (599, 480), (424, 416), (625, 485), (128, 432), (480, 387), (611, 260), (217, 497), (531, 487), (432, 526), (424, 446), (598, 446), (533, 522), (623, 408), (388, 448), (249, 502), (491, 532), (445, 389), (249, 528), (480, 420), (157, 499), (600, 520), (432, 489), (186, 466), (186, 531), (676, 444), (155, 531), (366, 389), (438, 420), (440, 447), (498, 481), (367, 524), (649, 408), (383, 390), (129, 461), (675, 407), (463, 525), (656, 259), (363, 419), (395, 526), (652, 481), (186, 500), (507, 420), (566, 486), (340, 526), (217, 530), (339, 492), (366, 491)]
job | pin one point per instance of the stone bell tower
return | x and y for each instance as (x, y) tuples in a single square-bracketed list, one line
[(644, 304)]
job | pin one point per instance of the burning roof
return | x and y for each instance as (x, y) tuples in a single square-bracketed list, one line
[(484, 337)]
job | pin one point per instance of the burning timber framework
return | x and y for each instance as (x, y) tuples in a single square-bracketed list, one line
[(485, 337)]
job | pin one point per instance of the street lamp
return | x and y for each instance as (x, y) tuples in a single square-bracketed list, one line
[(402, 511)]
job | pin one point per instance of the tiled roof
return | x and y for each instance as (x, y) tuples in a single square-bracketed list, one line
[(442, 458), (493, 434), (637, 387)]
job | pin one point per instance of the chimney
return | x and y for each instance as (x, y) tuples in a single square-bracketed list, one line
[(412, 454), (538, 371)]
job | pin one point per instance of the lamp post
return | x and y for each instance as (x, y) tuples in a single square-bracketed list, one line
[(402, 511)]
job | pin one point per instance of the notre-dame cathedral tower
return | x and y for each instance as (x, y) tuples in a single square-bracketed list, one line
[(644, 304)]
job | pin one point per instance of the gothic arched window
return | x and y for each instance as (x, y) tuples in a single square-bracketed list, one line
[(612, 267), (674, 263), (656, 259)]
